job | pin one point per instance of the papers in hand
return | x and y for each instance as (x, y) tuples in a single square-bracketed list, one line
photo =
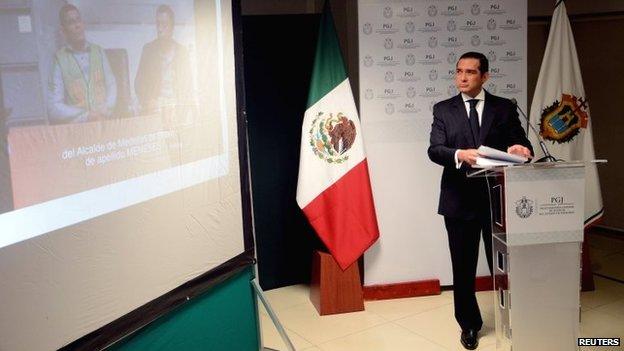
[(491, 157)]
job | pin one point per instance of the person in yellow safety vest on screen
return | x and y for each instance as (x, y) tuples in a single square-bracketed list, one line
[(82, 86)]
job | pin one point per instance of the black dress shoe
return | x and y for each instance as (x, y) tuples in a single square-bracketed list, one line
[(469, 339)]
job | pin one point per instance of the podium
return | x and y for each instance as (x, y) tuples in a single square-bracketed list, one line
[(537, 231)]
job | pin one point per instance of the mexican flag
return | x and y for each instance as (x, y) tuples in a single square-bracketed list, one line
[(561, 109), (333, 188)]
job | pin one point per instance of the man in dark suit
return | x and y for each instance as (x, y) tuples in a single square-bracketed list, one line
[(164, 75), (460, 125)]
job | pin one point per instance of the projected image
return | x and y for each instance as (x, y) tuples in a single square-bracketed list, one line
[(83, 86), (119, 162), (102, 96)]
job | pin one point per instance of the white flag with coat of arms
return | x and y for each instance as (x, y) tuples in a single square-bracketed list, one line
[(561, 110)]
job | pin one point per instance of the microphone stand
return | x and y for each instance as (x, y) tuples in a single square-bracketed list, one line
[(547, 156)]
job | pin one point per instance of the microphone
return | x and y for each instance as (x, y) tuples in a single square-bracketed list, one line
[(547, 156)]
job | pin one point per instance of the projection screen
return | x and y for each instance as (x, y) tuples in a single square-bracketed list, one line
[(119, 170)]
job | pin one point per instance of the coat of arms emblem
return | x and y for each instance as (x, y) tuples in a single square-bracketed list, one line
[(475, 40), (451, 26), (388, 44), (410, 27), (433, 42), (410, 59), (433, 75), (492, 88), (475, 9), (524, 207), (368, 28), (451, 58), (389, 77), (331, 136), (491, 25), (432, 11), (562, 121), (387, 12), (491, 56)]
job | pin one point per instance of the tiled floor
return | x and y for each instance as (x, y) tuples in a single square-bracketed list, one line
[(427, 323)]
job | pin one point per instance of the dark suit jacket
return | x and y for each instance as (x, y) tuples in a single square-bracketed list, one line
[(148, 80), (462, 197)]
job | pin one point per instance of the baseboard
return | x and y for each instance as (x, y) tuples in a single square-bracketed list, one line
[(402, 290), (484, 283)]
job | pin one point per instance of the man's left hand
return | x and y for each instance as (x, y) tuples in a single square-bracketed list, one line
[(520, 150)]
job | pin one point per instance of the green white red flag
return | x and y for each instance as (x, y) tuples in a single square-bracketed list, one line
[(333, 188)]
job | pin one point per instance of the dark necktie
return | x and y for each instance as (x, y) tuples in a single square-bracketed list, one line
[(473, 118)]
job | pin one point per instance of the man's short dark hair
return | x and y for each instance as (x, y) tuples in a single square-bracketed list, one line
[(484, 65), (166, 9), (64, 10)]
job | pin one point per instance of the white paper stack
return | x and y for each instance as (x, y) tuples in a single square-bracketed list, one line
[(491, 157)]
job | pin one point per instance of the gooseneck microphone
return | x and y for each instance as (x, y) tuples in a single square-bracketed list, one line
[(547, 156)]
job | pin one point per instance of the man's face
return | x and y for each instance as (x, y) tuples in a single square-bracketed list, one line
[(164, 25), (73, 27), (468, 77)]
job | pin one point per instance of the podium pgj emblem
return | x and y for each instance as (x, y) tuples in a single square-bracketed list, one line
[(524, 207)]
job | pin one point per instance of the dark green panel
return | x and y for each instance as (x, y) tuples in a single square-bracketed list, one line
[(224, 318)]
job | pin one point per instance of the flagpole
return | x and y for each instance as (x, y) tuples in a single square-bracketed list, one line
[(547, 156), (276, 322)]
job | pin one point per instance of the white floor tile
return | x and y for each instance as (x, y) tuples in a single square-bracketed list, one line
[(384, 337), (490, 347), (486, 302), (305, 321), (395, 309), (427, 323), (616, 309), (599, 324), (272, 339), (607, 284), (288, 296), (606, 292), (439, 325)]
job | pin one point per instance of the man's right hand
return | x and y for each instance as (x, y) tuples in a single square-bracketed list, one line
[(468, 156)]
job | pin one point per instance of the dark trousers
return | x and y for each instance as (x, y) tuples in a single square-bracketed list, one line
[(464, 236)]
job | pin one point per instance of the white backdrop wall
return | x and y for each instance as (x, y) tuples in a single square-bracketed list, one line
[(408, 51)]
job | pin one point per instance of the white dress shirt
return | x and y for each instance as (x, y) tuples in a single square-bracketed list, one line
[(479, 108)]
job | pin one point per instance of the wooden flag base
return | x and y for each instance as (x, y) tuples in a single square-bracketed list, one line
[(333, 290)]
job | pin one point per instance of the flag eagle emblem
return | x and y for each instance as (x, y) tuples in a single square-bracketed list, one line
[(331, 136)]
